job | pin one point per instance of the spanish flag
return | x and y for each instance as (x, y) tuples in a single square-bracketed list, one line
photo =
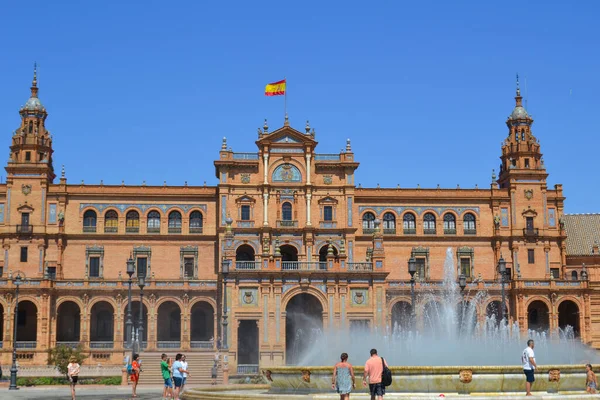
[(275, 88)]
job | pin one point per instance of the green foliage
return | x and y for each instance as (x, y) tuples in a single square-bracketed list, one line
[(60, 355), (51, 381)]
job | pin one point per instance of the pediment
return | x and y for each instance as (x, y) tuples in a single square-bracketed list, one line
[(328, 200), (24, 208), (529, 213), (287, 136), (245, 199)]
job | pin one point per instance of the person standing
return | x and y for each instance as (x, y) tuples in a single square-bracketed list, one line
[(213, 374), (343, 377), (135, 376), (373, 371), (178, 372), (185, 367), (529, 366), (591, 382), (165, 370), (73, 373)]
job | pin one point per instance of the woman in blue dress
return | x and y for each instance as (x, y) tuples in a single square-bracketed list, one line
[(343, 377)]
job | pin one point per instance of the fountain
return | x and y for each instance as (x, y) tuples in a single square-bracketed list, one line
[(453, 354)]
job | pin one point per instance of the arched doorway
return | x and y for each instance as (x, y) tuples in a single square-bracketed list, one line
[(169, 325), (244, 257), (135, 312), (27, 325), (323, 253), (401, 317), (288, 253), (493, 312), (67, 323), (202, 325), (568, 316), (102, 325), (303, 325), (537, 316), (432, 318)]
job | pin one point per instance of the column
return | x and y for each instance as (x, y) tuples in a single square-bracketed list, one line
[(266, 209), (308, 169), (266, 167), (308, 198)]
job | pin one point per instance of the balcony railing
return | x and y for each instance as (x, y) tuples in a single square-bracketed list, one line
[(247, 369), (89, 229), (369, 231), (410, 231), (153, 229), (195, 229), (245, 156), (162, 344), (71, 345), (132, 229), (26, 345), (111, 229), (245, 224), (360, 266), (102, 345), (327, 157), (429, 231), (287, 224), (328, 224), (201, 344), (449, 231), (246, 265), (173, 229), (389, 231), (470, 231), (24, 228), (304, 266), (529, 232)]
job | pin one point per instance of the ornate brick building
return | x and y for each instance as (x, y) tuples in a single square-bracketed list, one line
[(290, 232)]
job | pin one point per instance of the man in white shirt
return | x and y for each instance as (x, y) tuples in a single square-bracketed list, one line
[(185, 367), (529, 366)]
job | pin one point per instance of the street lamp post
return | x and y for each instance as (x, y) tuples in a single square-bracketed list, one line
[(462, 283), (225, 271), (141, 284), (412, 269), (128, 321), (18, 280), (502, 271)]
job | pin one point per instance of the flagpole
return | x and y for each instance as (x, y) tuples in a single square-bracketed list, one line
[(285, 101)]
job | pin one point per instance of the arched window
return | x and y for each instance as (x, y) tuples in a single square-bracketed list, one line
[(408, 221), (196, 222), (153, 224), (368, 220), (286, 211), (132, 222), (574, 275), (469, 224), (89, 221), (429, 224), (449, 224), (389, 223), (111, 221), (174, 222)]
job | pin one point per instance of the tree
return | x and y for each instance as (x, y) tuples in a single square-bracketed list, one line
[(60, 355)]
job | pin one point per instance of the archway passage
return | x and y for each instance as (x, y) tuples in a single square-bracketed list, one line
[(537, 316), (169, 325), (303, 325), (67, 322), (102, 325), (202, 325), (568, 316), (244, 253), (135, 312), (288, 253), (493, 312), (323, 253), (27, 324), (247, 346), (401, 317)]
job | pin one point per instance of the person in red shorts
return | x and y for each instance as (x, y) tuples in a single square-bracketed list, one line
[(135, 377)]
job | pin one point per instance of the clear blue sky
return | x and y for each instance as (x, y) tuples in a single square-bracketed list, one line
[(146, 90)]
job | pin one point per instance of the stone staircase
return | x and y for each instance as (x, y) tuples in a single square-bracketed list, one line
[(199, 365)]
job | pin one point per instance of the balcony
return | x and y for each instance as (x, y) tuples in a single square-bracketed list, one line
[(161, 344), (369, 231), (389, 231), (153, 229), (245, 224), (531, 232), (287, 224), (304, 266), (247, 265), (195, 229), (26, 345), (245, 156), (410, 231), (174, 229), (327, 157), (449, 231), (71, 345), (360, 266), (111, 229), (201, 344), (101, 345), (247, 369), (25, 229), (328, 224), (429, 231), (89, 229), (132, 229), (470, 231)]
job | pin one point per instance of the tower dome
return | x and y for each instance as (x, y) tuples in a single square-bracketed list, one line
[(33, 104)]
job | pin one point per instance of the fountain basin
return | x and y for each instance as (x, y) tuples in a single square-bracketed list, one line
[(441, 379)]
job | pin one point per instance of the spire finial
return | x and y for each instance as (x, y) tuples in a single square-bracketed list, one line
[(307, 127), (224, 145), (266, 126), (287, 121), (62, 171), (518, 88), (34, 83), (348, 146)]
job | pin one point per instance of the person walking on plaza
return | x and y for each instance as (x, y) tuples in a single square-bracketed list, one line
[(165, 370), (373, 371), (73, 373), (529, 366), (591, 382), (135, 376), (343, 378), (213, 374), (185, 367), (178, 372)]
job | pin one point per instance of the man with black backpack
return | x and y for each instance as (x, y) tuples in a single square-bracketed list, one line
[(376, 369)]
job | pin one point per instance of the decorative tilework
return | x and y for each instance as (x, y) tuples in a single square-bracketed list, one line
[(331, 311), (43, 213), (343, 300), (52, 213), (8, 205), (277, 317), (513, 208), (349, 211), (248, 297), (284, 150), (545, 205), (359, 297), (286, 287), (547, 262), (2, 213), (286, 173), (265, 318), (380, 306), (6, 259), (141, 207), (286, 139), (223, 209), (552, 217), (378, 264), (350, 251), (504, 216), (417, 209), (41, 268)]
